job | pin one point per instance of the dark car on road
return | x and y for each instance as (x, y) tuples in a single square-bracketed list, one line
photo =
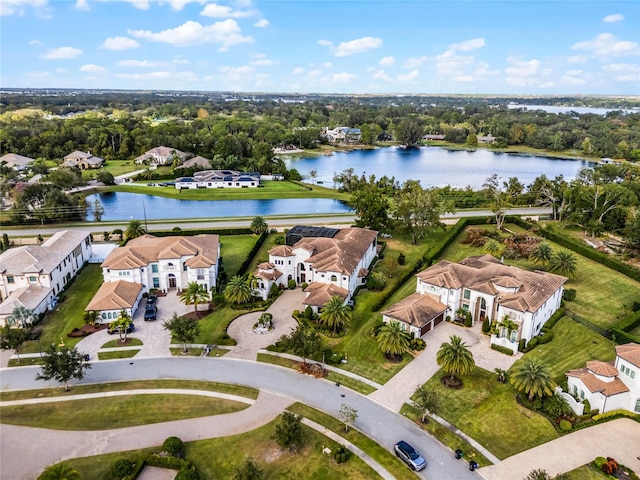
[(116, 328), (150, 313), (409, 455)]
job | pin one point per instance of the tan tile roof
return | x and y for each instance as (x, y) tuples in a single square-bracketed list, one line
[(416, 309), (78, 155), (321, 293), (28, 297), (629, 352), (13, 159), (282, 251), (146, 249), (267, 271), (486, 274), (603, 369), (594, 384), (115, 296), (41, 258), (197, 162)]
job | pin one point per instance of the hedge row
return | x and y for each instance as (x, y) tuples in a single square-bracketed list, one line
[(501, 349), (252, 253)]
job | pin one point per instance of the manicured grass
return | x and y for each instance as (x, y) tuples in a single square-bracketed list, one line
[(572, 346), (234, 249), (271, 190), (262, 255), (369, 446), (216, 458), (117, 354), (116, 386), (115, 167), (587, 472), (117, 412), (197, 352), (131, 342), (348, 382), (213, 327), (444, 435), (603, 294), (68, 314), (487, 411), (14, 362)]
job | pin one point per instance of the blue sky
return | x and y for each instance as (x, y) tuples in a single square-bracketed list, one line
[(367, 46)]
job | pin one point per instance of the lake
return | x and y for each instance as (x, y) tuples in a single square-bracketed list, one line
[(435, 166), (581, 110), (125, 206)]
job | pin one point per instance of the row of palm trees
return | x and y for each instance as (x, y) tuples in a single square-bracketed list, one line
[(563, 262)]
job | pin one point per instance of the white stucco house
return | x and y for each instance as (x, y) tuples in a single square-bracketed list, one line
[(331, 261), (219, 179), (31, 276), (82, 160), (161, 156), (155, 263), (342, 134), (609, 385), (486, 287)]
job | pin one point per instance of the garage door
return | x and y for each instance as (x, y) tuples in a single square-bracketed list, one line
[(425, 329), (439, 319)]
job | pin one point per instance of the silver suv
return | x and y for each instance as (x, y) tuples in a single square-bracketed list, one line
[(409, 455)]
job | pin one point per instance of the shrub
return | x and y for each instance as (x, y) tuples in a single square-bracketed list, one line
[(279, 240), (291, 284), (486, 325), (122, 468), (304, 286), (522, 345), (545, 337), (189, 473), (173, 446), (501, 349), (402, 259), (532, 343), (610, 466), (274, 291), (167, 462), (308, 313), (587, 407), (341, 454), (616, 414), (565, 425), (376, 327), (376, 281), (468, 320), (569, 294), (635, 306), (417, 344)]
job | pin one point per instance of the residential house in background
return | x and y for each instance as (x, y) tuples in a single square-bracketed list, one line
[(219, 179), (486, 139), (487, 288), (155, 263), (609, 385), (161, 156), (197, 162), (82, 160), (342, 134), (32, 276), (17, 162), (331, 261)]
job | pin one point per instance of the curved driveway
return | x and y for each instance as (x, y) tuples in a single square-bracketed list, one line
[(374, 420)]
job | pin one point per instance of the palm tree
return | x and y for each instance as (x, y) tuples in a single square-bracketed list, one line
[(335, 314), (455, 357), (533, 378), (123, 321), (542, 254), (238, 290), (564, 263), (258, 225), (393, 340), (106, 236), (90, 317), (59, 471), (134, 229), (493, 247), (194, 294)]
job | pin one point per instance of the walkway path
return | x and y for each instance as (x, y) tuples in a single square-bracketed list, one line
[(619, 439)]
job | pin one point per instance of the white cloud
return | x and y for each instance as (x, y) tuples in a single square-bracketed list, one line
[(144, 76), (37, 74), (62, 53), (381, 75), (572, 78), (623, 72), (263, 22), (463, 67), (613, 18), (226, 33), (92, 68), (468, 45), (214, 10), (387, 61), (17, 7), (119, 43), (82, 5), (35, 42), (359, 45), (409, 76), (325, 43), (341, 78), (314, 73), (577, 59), (607, 45), (523, 73), (137, 63), (140, 4), (298, 70), (327, 64), (414, 62), (263, 62), (236, 73), (179, 4)]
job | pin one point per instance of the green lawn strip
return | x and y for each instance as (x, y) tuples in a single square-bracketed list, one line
[(587, 472), (115, 167), (131, 342), (217, 457), (117, 412), (270, 190), (572, 346), (68, 314), (117, 354), (234, 249), (444, 435), (14, 362), (135, 385), (346, 381), (197, 352), (369, 446), (213, 327), (603, 294), (263, 252), (487, 411)]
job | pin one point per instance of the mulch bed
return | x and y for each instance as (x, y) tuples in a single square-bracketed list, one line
[(86, 329), (451, 382)]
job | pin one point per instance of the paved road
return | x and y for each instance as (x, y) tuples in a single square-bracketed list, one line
[(374, 420)]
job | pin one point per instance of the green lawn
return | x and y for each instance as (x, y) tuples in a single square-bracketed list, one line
[(117, 412), (234, 249), (68, 314), (263, 252), (603, 294), (115, 167), (136, 385), (216, 459), (213, 327), (117, 354), (131, 342), (587, 472), (487, 411), (572, 346)]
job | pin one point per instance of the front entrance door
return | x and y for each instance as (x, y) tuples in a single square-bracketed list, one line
[(172, 281)]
